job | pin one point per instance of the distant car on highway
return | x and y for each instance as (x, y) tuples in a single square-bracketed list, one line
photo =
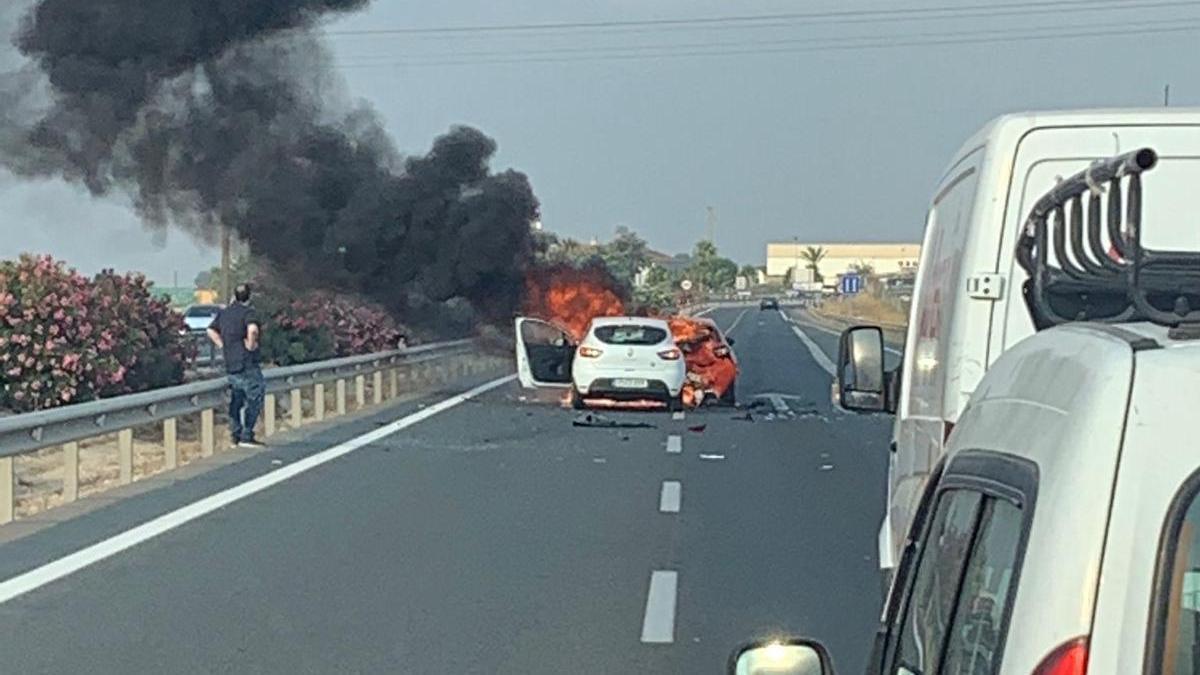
[(199, 317), (620, 359), (768, 303)]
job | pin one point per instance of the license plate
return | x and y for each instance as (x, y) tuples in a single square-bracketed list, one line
[(630, 383)]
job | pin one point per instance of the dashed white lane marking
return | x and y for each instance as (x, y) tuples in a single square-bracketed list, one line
[(52, 571), (658, 624), (714, 457), (674, 444), (818, 355), (678, 415), (777, 401), (736, 321), (670, 497)]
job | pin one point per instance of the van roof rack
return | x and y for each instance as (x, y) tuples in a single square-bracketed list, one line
[(1101, 272)]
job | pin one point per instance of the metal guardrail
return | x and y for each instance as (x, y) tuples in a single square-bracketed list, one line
[(65, 426)]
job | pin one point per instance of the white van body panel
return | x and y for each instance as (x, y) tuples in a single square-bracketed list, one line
[(1160, 453), (978, 209), (1058, 400)]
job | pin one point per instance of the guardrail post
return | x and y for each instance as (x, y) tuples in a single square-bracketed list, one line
[(394, 381), (297, 409), (70, 472), (7, 493), (341, 397), (377, 387), (125, 453), (319, 401), (170, 444), (269, 415), (207, 442), (360, 391)]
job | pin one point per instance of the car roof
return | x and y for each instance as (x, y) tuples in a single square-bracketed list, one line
[(629, 321)]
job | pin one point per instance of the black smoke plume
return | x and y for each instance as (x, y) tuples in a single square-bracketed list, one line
[(218, 112)]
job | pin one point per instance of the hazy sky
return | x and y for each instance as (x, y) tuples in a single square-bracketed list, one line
[(835, 142)]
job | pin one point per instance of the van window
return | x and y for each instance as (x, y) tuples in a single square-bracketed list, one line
[(977, 640), (925, 623), (1176, 634)]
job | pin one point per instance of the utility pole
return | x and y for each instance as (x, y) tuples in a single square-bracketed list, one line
[(712, 225), (796, 266), (226, 289), (1167, 96)]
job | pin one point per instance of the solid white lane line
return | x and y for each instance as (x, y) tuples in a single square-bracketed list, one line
[(830, 331), (670, 497), (658, 624), (674, 444), (678, 415), (704, 311), (736, 321), (52, 571), (818, 355)]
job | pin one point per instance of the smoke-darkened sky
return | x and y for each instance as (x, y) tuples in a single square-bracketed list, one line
[(836, 142)]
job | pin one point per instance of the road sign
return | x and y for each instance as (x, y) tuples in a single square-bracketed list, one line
[(686, 284), (849, 284)]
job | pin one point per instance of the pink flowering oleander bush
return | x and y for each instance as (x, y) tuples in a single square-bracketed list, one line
[(324, 325), (148, 335), (65, 338)]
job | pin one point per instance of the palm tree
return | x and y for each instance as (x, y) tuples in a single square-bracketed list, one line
[(813, 255)]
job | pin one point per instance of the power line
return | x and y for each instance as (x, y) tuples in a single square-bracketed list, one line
[(941, 12), (650, 50)]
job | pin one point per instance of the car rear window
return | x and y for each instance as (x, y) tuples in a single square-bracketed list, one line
[(630, 335), (201, 312)]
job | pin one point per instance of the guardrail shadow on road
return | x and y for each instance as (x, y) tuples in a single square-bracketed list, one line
[(54, 457)]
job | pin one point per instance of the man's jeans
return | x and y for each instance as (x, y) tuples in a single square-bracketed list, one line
[(245, 403)]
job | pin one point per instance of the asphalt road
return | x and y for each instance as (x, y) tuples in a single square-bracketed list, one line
[(494, 537)]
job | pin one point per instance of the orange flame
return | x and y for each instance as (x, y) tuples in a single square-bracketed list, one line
[(707, 371), (572, 297)]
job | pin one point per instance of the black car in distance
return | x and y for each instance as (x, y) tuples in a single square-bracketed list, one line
[(768, 303)]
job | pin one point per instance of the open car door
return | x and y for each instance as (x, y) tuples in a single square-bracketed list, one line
[(544, 354)]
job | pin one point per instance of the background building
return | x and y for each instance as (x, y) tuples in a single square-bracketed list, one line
[(884, 259)]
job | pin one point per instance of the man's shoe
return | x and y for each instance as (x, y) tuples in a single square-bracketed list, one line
[(251, 443)]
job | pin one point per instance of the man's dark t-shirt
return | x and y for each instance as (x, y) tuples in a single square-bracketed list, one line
[(232, 323)]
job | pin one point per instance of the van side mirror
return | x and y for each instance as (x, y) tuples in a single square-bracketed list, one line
[(781, 657), (862, 383)]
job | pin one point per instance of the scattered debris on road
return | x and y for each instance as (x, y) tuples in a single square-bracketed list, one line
[(599, 460), (698, 429), (827, 467), (277, 462), (747, 417), (712, 457), (598, 421)]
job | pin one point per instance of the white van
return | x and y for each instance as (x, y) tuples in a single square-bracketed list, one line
[(968, 307), (1059, 531)]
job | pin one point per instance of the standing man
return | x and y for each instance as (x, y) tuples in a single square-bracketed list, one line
[(236, 331)]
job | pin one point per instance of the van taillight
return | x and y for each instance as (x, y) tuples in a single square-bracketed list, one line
[(1069, 658)]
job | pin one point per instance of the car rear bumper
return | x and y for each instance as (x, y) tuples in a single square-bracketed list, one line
[(605, 387)]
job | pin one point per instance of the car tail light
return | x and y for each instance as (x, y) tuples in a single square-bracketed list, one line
[(1069, 658), (589, 352), (671, 354), (721, 351)]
